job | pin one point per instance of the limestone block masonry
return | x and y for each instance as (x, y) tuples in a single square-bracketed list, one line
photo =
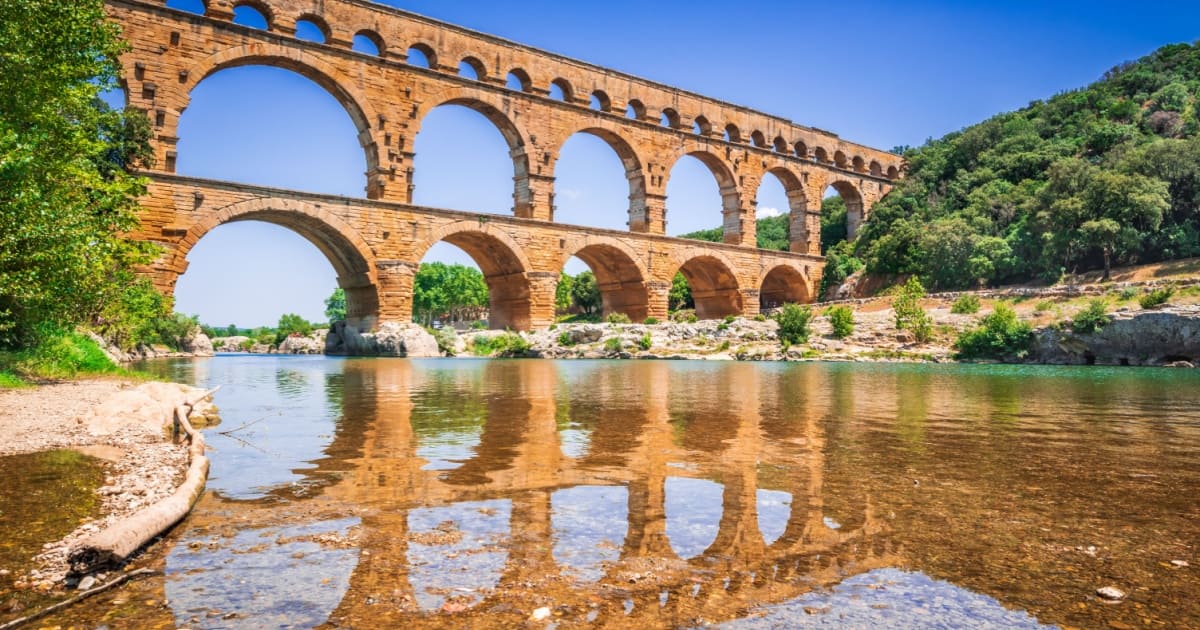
[(376, 244)]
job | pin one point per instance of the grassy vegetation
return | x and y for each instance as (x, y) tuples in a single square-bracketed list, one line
[(505, 345), (1092, 318), (59, 356), (1157, 297), (965, 305)]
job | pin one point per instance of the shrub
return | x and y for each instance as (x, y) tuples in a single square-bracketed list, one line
[(247, 345), (760, 318), (691, 318), (564, 339), (1128, 293), (842, 320), (729, 319), (1157, 297), (965, 305), (909, 313), (1043, 306), (684, 315), (505, 345), (613, 344), (1000, 334), (724, 346), (447, 340), (617, 318), (1092, 318), (793, 323), (722, 326), (645, 342), (650, 321)]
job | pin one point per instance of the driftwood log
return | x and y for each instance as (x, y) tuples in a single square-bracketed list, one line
[(113, 545)]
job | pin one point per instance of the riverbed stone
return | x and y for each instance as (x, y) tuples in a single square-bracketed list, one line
[(391, 339)]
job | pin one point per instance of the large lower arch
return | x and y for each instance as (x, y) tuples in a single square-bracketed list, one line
[(731, 203), (619, 276), (323, 74), (505, 269), (714, 286), (793, 187), (783, 284), (854, 206), (531, 190), (634, 173), (352, 258)]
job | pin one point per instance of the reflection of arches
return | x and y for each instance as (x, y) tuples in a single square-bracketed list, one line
[(854, 206), (783, 284), (351, 257), (619, 275), (713, 284), (523, 196), (311, 68), (726, 183), (502, 262), (629, 160)]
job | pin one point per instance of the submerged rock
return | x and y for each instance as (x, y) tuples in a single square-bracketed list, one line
[(1111, 593)]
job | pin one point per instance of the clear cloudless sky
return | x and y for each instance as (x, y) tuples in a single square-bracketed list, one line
[(879, 73)]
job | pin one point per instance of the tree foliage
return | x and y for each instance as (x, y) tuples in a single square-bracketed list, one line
[(999, 335), (65, 194), (1108, 174), (794, 322), (335, 306), (451, 293)]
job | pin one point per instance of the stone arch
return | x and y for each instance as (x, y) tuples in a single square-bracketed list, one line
[(635, 110), (263, 9), (839, 159), (801, 150), (732, 133), (564, 86), (821, 155), (514, 136), (522, 80), (320, 23), (712, 280), (310, 67), (375, 38), (793, 187), (620, 275), (504, 265), (893, 172), (600, 101), (476, 66), (782, 284), (630, 160), (758, 139), (727, 183), (428, 51), (670, 118), (780, 145), (858, 164), (352, 258), (854, 205), (875, 169)]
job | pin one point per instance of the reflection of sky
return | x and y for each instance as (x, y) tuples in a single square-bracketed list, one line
[(889, 598), (464, 569), (693, 508), (774, 508), (574, 442), (590, 524), (446, 450), (281, 402), (296, 584)]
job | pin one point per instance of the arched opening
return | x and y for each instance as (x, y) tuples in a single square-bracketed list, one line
[(841, 213), (780, 210), (635, 110), (669, 118), (560, 90), (700, 188), (714, 289), (612, 283), (191, 6), (600, 101), (368, 43), (701, 126), (252, 16), (591, 167), (859, 165), (311, 28), (821, 155), (449, 290), (235, 130), (518, 80), (802, 150), (467, 158), (269, 260), (783, 285), (893, 172), (421, 56), (839, 159), (472, 68), (780, 145), (758, 139), (468, 247), (732, 133), (875, 169)]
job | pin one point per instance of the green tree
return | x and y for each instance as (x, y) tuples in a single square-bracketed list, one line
[(585, 293), (680, 295), (909, 313), (65, 194), (793, 322), (562, 294), (335, 306), (292, 324), (448, 293)]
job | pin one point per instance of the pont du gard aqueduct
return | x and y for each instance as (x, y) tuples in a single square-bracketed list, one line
[(537, 100)]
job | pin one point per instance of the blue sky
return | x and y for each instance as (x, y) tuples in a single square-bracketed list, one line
[(883, 74)]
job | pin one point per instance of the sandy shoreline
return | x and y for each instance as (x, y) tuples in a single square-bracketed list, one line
[(116, 421)]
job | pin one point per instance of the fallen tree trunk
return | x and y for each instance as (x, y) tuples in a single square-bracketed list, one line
[(114, 545)]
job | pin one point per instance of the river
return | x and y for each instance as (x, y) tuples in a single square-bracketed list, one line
[(387, 492)]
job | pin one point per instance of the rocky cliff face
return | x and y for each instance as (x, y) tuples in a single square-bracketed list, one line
[(1166, 336)]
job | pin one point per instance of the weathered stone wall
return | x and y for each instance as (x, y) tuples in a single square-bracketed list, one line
[(376, 248), (172, 51)]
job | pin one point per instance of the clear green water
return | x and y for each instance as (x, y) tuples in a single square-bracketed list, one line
[(388, 493)]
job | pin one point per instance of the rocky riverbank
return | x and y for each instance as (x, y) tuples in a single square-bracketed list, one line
[(117, 422)]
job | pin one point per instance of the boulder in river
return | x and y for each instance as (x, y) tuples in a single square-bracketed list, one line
[(391, 339)]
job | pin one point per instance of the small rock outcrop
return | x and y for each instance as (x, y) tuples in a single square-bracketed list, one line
[(300, 344), (197, 343), (390, 340), (1166, 336)]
